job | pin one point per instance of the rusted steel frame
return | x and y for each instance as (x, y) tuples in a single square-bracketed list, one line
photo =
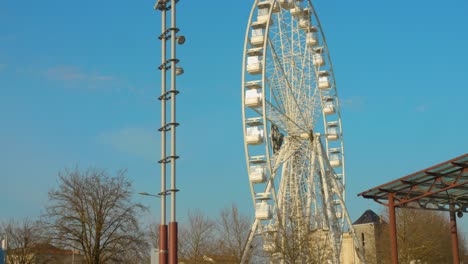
[(425, 171), (438, 177), (380, 202), (416, 187), (465, 170), (426, 194)]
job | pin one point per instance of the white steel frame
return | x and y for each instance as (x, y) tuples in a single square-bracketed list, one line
[(305, 178)]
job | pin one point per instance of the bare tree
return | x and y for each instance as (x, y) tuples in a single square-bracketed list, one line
[(153, 235), (197, 238), (422, 236), (22, 238), (93, 212), (234, 231), (293, 245)]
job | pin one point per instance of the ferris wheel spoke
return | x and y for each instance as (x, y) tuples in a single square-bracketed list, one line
[(286, 89), (287, 124), (288, 149)]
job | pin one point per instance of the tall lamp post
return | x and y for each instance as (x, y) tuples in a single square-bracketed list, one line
[(168, 97)]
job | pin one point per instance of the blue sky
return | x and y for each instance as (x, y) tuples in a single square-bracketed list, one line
[(79, 83)]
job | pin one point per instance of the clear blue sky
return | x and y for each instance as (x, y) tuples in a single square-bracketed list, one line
[(79, 84)]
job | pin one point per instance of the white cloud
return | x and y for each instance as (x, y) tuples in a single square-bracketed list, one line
[(134, 141), (65, 73), (72, 73)]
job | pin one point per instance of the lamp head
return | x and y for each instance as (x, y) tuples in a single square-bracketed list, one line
[(180, 39), (179, 70)]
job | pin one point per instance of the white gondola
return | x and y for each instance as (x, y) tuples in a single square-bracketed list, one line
[(254, 135), (329, 109), (324, 82), (335, 160), (317, 60), (329, 106), (263, 211), (257, 174), (311, 39), (286, 4), (268, 3), (304, 22), (296, 11), (254, 65), (253, 98), (263, 14), (336, 202), (332, 130), (257, 37)]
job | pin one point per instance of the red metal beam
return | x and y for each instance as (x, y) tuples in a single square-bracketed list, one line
[(453, 231), (426, 194), (393, 230)]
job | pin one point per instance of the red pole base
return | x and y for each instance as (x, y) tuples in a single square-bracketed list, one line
[(162, 244), (173, 243)]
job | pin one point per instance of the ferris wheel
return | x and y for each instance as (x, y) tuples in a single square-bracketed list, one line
[(293, 134)]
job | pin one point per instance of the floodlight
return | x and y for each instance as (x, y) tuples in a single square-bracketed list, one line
[(180, 40), (179, 70)]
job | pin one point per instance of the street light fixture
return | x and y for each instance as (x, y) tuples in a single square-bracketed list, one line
[(180, 40), (149, 194), (168, 240)]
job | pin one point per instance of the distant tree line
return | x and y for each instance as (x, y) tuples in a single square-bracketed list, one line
[(92, 215)]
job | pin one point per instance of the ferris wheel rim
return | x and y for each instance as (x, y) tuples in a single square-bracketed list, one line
[(263, 80), (251, 50), (310, 136)]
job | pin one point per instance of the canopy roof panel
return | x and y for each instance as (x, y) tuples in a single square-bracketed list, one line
[(434, 188)]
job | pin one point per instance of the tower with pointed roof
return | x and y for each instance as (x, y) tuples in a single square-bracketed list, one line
[(369, 228)]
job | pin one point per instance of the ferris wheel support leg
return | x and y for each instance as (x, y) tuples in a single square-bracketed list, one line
[(248, 243), (330, 216)]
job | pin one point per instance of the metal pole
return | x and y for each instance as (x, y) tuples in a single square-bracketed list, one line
[(163, 129), (453, 230), (393, 230), (173, 223)]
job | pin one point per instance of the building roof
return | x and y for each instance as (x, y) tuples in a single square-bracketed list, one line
[(368, 217), (434, 188), (46, 248)]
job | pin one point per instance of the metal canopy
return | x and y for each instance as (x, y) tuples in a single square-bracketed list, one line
[(434, 188)]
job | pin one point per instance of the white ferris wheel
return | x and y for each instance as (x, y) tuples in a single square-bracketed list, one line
[(293, 135)]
